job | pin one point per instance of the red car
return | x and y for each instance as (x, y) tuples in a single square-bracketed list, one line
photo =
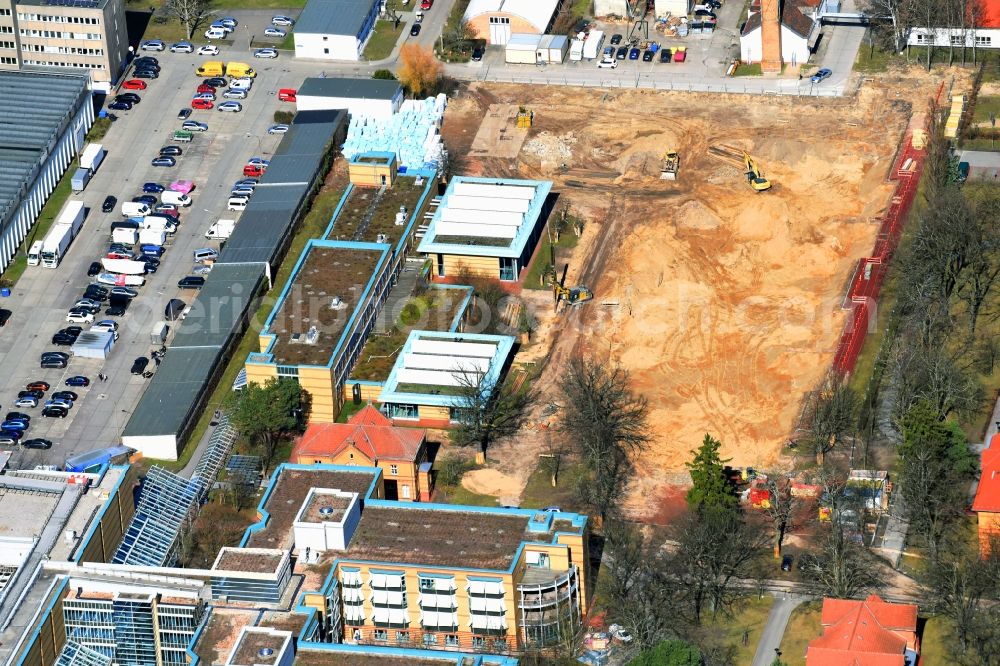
[(252, 171), (426, 4), (134, 84), (206, 88), (287, 95), (202, 104)]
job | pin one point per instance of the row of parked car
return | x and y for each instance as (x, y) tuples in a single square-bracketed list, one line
[(15, 425)]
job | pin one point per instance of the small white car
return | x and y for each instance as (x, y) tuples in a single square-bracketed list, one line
[(208, 96), (182, 47), (153, 45), (235, 93), (277, 129), (282, 20), (241, 84), (105, 325), (209, 50), (26, 401), (80, 317), (608, 64), (232, 107), (274, 32), (228, 21), (265, 53), (219, 25), (258, 161), (194, 126)]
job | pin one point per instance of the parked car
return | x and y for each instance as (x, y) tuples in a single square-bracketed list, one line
[(205, 88), (821, 75), (153, 45), (125, 292), (16, 435), (154, 188), (94, 268), (54, 363), (147, 61), (169, 209), (253, 171), (209, 50), (191, 282), (607, 64), (26, 401), (266, 53), (228, 21), (163, 162), (415, 30), (477, 53), (37, 443), (171, 150), (622, 52), (665, 55), (31, 393), (134, 84), (77, 380), (128, 97), (145, 74), (63, 339), (274, 32), (194, 126), (109, 204), (647, 56), (786, 563), (65, 395), (210, 96), (117, 310), (202, 104), (182, 47), (277, 129), (252, 182), (633, 53), (233, 107), (54, 402), (139, 365), (8, 440), (282, 20), (259, 161), (55, 412), (86, 304), (216, 82), (235, 94), (39, 385), (14, 425), (147, 199), (183, 114), (80, 317), (120, 106), (616, 39)]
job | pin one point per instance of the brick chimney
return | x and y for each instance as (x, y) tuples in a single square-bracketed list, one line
[(770, 36)]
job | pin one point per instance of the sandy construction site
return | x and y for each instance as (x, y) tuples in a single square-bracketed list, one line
[(723, 303)]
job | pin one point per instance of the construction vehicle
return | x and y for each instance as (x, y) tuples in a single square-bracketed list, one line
[(740, 157), (671, 162), (571, 295)]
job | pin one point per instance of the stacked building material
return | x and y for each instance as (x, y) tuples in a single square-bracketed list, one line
[(414, 134)]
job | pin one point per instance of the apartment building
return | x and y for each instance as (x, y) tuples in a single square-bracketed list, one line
[(85, 35)]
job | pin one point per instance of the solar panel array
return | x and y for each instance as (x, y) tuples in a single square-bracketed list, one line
[(88, 4)]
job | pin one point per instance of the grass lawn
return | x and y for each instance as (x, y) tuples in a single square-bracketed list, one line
[(98, 130), (543, 255), (871, 61), (752, 617), (288, 43), (803, 626), (383, 40), (985, 105), (538, 491), (934, 644), (748, 69), (41, 227), (311, 227)]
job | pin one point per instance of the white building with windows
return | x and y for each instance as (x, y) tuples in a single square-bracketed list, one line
[(986, 35), (335, 29)]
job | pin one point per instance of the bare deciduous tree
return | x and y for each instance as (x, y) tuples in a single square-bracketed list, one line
[(489, 409), (831, 418), (781, 506), (190, 13)]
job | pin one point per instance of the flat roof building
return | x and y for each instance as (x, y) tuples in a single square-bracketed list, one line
[(89, 36), (43, 119), (486, 227), (368, 98), (496, 20), (335, 29), (434, 372)]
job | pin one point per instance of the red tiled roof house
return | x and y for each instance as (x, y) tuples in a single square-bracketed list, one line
[(369, 439), (865, 633), (987, 502)]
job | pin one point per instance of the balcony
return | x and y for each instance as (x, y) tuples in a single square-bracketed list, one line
[(541, 588)]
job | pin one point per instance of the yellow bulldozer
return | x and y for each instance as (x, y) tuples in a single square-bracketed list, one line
[(671, 163)]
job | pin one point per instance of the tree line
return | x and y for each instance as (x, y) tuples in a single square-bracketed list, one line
[(894, 20)]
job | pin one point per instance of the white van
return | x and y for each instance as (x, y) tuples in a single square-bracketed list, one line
[(135, 209), (176, 198), (35, 253), (205, 254), (241, 84), (216, 33), (238, 203)]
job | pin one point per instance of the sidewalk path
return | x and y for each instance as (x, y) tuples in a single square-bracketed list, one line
[(774, 630)]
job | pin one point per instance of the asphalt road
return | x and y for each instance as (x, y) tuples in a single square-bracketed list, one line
[(774, 630), (214, 160)]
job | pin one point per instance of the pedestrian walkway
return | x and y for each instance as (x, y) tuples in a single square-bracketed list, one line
[(774, 630)]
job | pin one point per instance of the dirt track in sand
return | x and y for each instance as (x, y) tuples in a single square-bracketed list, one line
[(723, 304)]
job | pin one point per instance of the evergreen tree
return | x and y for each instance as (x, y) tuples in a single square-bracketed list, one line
[(709, 489)]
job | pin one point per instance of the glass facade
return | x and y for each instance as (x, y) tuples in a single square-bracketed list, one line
[(135, 638), (74, 654)]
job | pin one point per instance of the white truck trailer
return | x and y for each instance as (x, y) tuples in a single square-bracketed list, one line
[(593, 44), (91, 157), (62, 234)]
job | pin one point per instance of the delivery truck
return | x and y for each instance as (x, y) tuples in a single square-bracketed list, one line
[(576, 49), (593, 44), (80, 179), (238, 70), (159, 334), (211, 68), (91, 157), (135, 209), (35, 253), (221, 230), (63, 232), (159, 223), (124, 266), (176, 198), (152, 237), (125, 236)]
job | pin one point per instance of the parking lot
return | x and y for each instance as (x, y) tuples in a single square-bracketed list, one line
[(214, 160)]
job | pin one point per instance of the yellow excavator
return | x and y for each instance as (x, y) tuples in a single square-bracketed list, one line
[(739, 157), (754, 175), (671, 164), (570, 295)]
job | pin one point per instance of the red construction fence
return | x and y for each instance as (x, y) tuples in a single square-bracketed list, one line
[(866, 284)]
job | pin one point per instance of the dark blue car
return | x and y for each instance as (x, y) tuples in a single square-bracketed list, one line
[(152, 188), (151, 250), (77, 380), (633, 54), (14, 425)]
